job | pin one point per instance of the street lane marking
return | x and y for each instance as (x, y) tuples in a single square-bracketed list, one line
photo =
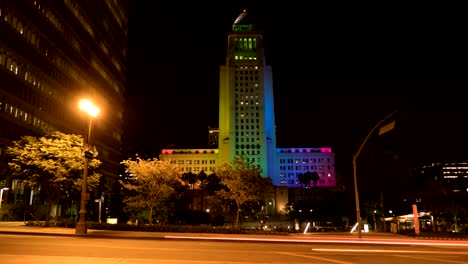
[(388, 251), (315, 257), (381, 242), (432, 259)]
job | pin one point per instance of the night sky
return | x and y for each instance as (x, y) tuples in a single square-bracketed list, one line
[(338, 69)]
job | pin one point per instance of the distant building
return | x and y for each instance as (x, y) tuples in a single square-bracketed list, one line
[(247, 121), (192, 160), (52, 53), (213, 137), (453, 175), (293, 161)]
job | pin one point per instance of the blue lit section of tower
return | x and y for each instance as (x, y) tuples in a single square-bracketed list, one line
[(246, 103)]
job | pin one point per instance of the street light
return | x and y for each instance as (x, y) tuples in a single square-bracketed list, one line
[(356, 194), (92, 110), (1, 195)]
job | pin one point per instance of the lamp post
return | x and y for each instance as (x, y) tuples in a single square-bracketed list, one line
[(92, 110), (356, 194), (1, 195)]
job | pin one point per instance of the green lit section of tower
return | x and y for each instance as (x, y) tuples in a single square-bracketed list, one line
[(246, 105)]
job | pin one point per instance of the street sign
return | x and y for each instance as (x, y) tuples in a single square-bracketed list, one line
[(88, 154)]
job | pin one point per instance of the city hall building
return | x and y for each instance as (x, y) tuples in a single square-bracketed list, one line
[(247, 122)]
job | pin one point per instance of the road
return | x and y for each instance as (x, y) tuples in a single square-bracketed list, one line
[(16, 249)]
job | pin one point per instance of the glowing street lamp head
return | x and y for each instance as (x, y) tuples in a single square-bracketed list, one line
[(89, 107)]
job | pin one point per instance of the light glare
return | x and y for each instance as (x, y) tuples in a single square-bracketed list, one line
[(89, 107)]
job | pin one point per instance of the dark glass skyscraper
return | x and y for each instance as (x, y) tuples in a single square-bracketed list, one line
[(52, 53)]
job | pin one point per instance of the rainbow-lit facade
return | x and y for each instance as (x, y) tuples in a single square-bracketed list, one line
[(247, 120), (246, 105), (290, 162)]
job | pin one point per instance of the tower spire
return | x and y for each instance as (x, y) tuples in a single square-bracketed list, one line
[(243, 22)]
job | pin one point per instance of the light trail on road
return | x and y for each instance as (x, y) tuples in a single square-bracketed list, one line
[(388, 251), (376, 242)]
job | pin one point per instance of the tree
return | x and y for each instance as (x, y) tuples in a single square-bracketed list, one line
[(455, 212), (314, 177), (190, 179), (151, 183), (307, 177), (53, 163), (196, 182), (242, 183), (303, 180), (372, 207), (202, 178), (434, 195)]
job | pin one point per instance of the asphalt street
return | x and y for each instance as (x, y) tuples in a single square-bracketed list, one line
[(25, 245)]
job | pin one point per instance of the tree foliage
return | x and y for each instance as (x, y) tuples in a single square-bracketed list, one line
[(242, 183), (199, 183), (306, 178), (52, 162), (151, 183), (190, 179)]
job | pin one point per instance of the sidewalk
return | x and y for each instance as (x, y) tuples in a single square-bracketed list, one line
[(21, 228)]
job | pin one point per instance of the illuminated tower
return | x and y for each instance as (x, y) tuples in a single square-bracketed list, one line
[(246, 106), (247, 123)]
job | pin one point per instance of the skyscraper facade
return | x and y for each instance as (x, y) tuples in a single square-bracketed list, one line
[(247, 120), (52, 53), (246, 103)]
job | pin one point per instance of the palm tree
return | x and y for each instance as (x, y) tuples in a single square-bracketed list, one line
[(306, 178), (303, 181), (202, 178), (314, 177), (190, 178)]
